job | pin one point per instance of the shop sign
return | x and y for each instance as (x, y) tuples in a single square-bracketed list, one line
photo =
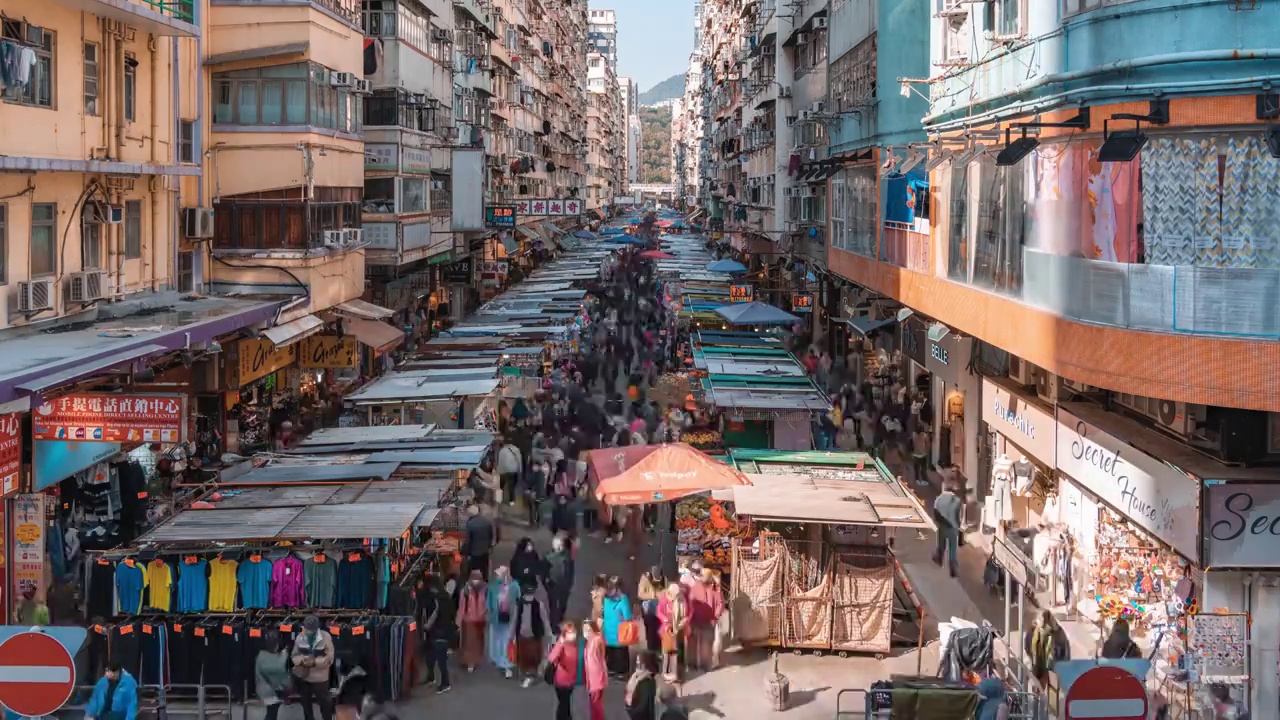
[(947, 357), (457, 273), (741, 293), (1242, 524), (914, 341), (1151, 494), (329, 351), (801, 303), (415, 161), (939, 353), (1032, 429), (572, 207), (10, 459), (258, 358), (53, 461), (503, 216), (108, 417), (380, 156), (549, 206), (28, 543), (492, 268), (381, 236)]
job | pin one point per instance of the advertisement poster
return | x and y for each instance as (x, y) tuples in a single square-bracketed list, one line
[(330, 351), (503, 216), (741, 293), (28, 543), (10, 456), (103, 417)]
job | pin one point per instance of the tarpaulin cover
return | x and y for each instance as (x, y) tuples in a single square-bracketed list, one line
[(636, 475), (656, 255)]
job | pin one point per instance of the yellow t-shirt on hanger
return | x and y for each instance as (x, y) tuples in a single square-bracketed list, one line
[(222, 585)]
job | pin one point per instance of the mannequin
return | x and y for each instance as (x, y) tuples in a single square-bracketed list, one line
[(999, 508), (1024, 474)]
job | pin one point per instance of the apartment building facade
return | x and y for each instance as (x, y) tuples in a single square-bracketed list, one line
[(606, 134), (1043, 216), (602, 35), (629, 96)]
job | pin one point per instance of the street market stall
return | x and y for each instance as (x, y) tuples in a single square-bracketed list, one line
[(821, 572), (441, 396)]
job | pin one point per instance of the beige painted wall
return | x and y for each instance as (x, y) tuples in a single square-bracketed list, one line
[(256, 162), (333, 44), (331, 279)]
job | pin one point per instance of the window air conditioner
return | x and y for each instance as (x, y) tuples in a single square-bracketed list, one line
[(802, 38), (363, 86), (334, 238), (197, 223), (87, 286), (35, 295), (353, 236), (1047, 387), (819, 23), (342, 79), (1022, 372), (817, 107), (804, 114)]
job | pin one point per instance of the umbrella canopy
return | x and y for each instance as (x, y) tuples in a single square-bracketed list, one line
[(639, 474), (727, 266), (624, 240), (663, 223), (656, 255), (755, 313), (585, 235)]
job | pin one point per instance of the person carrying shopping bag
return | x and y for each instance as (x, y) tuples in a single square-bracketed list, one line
[(619, 632)]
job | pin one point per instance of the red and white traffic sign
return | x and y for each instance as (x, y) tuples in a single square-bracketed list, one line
[(37, 674), (1104, 693)]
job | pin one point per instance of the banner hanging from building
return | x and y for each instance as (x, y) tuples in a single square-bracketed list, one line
[(106, 417), (549, 207), (10, 458)]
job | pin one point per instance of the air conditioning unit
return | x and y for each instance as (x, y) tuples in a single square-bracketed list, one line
[(334, 238), (197, 223), (353, 236), (769, 49), (1047, 387), (1177, 417), (785, 92), (1078, 388), (111, 214), (416, 99), (363, 86), (342, 79), (819, 23), (1022, 372), (814, 190), (35, 295), (804, 114), (439, 34), (817, 107), (87, 286), (802, 38)]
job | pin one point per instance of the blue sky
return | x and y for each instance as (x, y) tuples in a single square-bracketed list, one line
[(655, 38)]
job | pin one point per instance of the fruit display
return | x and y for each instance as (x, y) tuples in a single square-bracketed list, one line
[(706, 529), (703, 439)]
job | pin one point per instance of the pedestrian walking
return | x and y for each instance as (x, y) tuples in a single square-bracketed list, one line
[(1119, 645), (920, 447), (673, 618), (527, 566), (479, 539), (438, 626), (616, 611), (560, 570), (562, 669), (271, 674), (641, 696), (502, 598), (595, 665), (706, 604), (946, 513), (115, 696), (649, 592), (312, 657), (530, 627), (510, 462), (473, 605)]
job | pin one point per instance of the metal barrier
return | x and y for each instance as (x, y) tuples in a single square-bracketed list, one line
[(157, 701), (854, 704)]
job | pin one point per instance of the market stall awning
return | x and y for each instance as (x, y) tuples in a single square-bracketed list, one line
[(347, 521), (292, 332), (657, 473), (309, 473), (363, 310), (377, 335), (865, 325), (529, 232), (727, 266), (554, 228), (804, 497), (599, 213), (755, 313)]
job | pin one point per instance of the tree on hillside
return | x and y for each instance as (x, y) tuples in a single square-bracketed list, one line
[(655, 149)]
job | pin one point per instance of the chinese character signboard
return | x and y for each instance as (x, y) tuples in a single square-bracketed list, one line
[(329, 351), (258, 358), (415, 161), (380, 156), (572, 207), (551, 206), (380, 235), (107, 417), (10, 454), (802, 302), (555, 207), (493, 268), (523, 207), (538, 207), (28, 543), (740, 293), (503, 216)]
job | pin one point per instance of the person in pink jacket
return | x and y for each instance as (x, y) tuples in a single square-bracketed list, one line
[(596, 671), (673, 629), (563, 660), (705, 607)]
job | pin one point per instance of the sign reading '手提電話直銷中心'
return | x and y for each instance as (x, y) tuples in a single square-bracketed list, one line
[(1153, 495)]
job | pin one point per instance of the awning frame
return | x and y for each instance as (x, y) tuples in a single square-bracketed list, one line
[(293, 331)]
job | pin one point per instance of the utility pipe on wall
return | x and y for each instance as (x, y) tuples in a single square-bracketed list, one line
[(153, 47)]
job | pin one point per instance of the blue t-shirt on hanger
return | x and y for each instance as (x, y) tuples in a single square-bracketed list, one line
[(255, 583)]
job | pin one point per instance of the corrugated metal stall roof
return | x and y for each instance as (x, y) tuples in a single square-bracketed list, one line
[(302, 473), (279, 496), (460, 458), (216, 525), (372, 520), (387, 433), (409, 491)]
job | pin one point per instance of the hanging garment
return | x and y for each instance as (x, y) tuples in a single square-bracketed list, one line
[(383, 579), (1024, 473), (255, 583), (101, 600), (999, 504), (193, 586), (355, 581), (130, 581), (287, 587), (222, 585), (8, 64), (159, 583), (320, 580)]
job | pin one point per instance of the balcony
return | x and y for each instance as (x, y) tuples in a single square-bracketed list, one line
[(905, 247), (163, 18)]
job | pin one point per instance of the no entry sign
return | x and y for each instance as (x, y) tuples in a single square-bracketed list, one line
[(1105, 693), (37, 674)]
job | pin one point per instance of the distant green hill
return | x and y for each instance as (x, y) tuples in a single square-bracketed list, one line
[(669, 89), (655, 145)]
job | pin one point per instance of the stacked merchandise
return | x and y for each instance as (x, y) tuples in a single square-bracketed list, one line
[(103, 506)]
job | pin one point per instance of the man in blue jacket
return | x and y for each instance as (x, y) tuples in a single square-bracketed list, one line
[(115, 697)]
